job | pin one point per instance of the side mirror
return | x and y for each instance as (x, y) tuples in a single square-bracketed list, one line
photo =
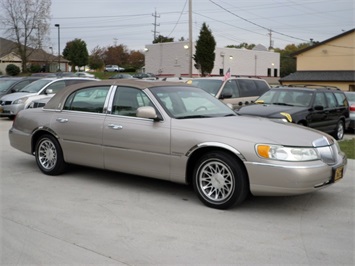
[(226, 95), (147, 112), (318, 108), (49, 91)]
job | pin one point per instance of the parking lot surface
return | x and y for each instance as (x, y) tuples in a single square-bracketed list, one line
[(94, 217)]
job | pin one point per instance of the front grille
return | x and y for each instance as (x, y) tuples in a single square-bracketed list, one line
[(5, 102)]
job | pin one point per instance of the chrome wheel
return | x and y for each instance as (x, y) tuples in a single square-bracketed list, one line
[(216, 181), (339, 131), (47, 154), (220, 180)]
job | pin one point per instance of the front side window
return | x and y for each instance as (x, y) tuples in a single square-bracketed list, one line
[(90, 99), (127, 100), (320, 100)]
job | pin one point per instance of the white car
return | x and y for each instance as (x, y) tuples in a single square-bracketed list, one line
[(12, 103), (113, 68), (84, 75)]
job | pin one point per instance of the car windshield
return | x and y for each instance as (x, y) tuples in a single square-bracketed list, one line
[(35, 86), (208, 85), (6, 83), (286, 97), (189, 102)]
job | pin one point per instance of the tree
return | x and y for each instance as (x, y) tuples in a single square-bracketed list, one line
[(242, 45), (26, 22), (77, 53), (287, 61), (96, 58), (161, 39), (136, 59), (116, 55), (205, 51)]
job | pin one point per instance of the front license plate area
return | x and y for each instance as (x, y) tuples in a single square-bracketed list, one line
[(338, 173)]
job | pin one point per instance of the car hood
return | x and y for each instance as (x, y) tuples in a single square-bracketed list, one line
[(269, 110), (16, 95), (249, 129)]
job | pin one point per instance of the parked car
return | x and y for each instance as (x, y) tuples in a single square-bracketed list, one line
[(12, 103), (350, 95), (322, 108), (121, 76), (113, 68), (178, 133), (146, 76), (84, 75), (237, 91), (14, 84)]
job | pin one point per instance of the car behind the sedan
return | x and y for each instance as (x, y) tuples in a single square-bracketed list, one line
[(180, 133)]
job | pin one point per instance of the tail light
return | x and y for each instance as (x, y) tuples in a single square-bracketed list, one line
[(352, 108)]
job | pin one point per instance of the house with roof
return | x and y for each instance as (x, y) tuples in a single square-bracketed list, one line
[(9, 55), (329, 63)]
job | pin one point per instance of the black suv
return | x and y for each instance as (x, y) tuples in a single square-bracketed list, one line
[(322, 108)]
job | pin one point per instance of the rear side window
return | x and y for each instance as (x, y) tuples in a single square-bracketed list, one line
[(341, 99), (90, 99), (332, 102)]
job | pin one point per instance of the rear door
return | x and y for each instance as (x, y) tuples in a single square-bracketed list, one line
[(79, 126)]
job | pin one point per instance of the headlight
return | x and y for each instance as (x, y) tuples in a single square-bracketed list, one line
[(281, 153), (21, 100)]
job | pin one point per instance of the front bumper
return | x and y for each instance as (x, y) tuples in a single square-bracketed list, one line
[(11, 110), (285, 178)]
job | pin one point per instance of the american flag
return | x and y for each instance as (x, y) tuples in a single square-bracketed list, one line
[(228, 74)]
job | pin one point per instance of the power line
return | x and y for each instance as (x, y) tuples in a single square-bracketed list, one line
[(255, 24)]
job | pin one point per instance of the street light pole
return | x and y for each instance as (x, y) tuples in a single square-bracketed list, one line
[(58, 26), (190, 38)]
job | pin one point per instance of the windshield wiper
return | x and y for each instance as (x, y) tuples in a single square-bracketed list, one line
[(192, 116), (285, 104)]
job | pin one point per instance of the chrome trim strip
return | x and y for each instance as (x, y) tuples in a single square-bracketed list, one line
[(287, 166), (215, 144)]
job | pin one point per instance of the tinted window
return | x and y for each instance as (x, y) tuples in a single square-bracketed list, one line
[(341, 99), (320, 100), (90, 99), (247, 88), (332, 102), (230, 88), (262, 86)]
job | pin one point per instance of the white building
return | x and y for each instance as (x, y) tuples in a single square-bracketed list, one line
[(172, 59)]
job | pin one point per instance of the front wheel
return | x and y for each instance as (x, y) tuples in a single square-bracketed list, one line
[(220, 181), (339, 131), (49, 155)]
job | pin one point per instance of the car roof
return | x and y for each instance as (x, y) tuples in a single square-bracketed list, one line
[(54, 103), (306, 88), (222, 78)]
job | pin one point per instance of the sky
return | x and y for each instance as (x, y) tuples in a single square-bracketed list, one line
[(131, 23)]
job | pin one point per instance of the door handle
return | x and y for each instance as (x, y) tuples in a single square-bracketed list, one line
[(116, 127), (62, 120)]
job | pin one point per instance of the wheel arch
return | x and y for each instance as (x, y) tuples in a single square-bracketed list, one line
[(195, 153), (38, 133)]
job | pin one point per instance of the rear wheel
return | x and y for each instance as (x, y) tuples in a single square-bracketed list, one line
[(49, 155), (339, 131), (220, 181)]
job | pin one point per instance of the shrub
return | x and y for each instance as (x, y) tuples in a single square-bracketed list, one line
[(12, 70)]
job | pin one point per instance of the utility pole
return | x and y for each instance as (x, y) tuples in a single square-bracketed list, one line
[(271, 45), (190, 38), (155, 15)]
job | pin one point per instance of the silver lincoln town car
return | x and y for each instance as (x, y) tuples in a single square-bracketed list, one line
[(179, 133)]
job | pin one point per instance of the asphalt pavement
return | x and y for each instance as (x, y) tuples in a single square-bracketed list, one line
[(95, 217)]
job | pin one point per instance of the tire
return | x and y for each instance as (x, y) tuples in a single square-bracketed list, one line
[(49, 156), (220, 181), (339, 131)]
